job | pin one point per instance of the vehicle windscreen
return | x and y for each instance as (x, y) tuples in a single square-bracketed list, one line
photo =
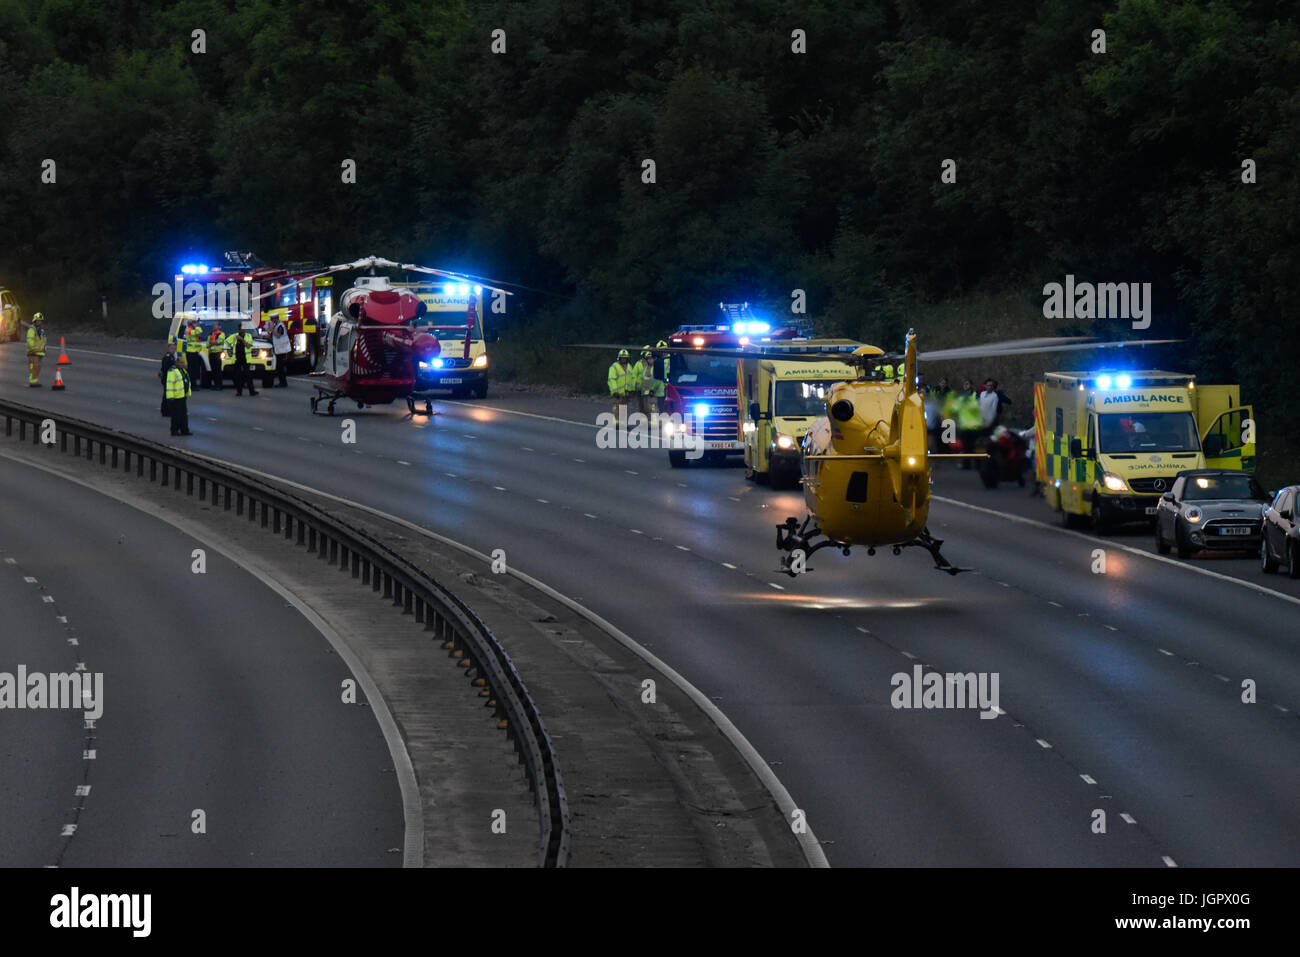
[(1238, 486), (690, 369), (801, 398), (1148, 432), (452, 324)]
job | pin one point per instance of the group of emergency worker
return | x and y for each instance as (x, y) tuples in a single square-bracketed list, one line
[(639, 386)]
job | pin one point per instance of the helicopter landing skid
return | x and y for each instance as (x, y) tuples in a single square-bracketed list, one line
[(411, 413), (932, 545), (799, 542), (322, 396)]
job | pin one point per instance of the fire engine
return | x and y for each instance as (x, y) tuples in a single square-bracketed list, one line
[(1109, 443), (702, 388), (293, 294)]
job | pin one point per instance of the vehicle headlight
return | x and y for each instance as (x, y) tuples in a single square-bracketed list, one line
[(1193, 514), (669, 427), (264, 353), (747, 427), (480, 362), (1114, 482), (423, 364), (784, 441)]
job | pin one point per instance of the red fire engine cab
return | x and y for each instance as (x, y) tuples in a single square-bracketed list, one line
[(702, 388)]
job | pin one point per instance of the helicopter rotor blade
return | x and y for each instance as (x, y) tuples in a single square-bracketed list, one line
[(1023, 347), (478, 280)]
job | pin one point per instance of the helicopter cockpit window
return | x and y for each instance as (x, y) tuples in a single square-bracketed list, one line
[(801, 398)]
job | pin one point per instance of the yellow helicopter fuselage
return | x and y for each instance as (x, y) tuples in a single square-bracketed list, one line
[(866, 474)]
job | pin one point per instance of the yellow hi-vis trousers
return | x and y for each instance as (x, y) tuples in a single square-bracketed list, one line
[(33, 368)]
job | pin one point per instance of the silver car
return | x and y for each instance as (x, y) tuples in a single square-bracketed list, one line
[(1210, 510)]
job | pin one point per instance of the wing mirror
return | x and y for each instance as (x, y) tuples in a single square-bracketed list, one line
[(753, 411)]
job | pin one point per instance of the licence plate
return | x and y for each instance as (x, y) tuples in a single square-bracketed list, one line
[(718, 445), (1234, 531), (1151, 510), (450, 381)]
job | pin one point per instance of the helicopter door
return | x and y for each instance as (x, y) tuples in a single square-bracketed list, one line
[(339, 347)]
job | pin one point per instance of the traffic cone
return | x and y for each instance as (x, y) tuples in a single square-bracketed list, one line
[(58, 380), (63, 353)]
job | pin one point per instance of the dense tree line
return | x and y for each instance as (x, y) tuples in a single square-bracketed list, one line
[(774, 169)]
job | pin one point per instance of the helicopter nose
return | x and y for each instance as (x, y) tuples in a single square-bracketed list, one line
[(426, 346), (842, 410)]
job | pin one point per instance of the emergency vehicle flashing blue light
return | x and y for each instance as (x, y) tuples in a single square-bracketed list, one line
[(194, 269), (463, 289), (450, 289), (701, 410), (437, 363), (1123, 382), (1103, 382)]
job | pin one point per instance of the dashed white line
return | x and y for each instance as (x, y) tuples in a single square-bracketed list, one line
[(499, 488), (544, 501), (1112, 628), (682, 547), (83, 790), (1004, 584), (527, 449), (588, 514), (48, 599), (630, 472), (73, 641), (863, 630), (1280, 708), (88, 755), (1223, 677), (1163, 652), (450, 474), (776, 586), (400, 462), (61, 619), (636, 531), (1169, 861), (1127, 818), (258, 428), (1042, 743), (11, 561), (583, 461), (68, 830), (1056, 603), (302, 438), (733, 498), (1087, 779), (29, 579), (729, 565), (908, 654)]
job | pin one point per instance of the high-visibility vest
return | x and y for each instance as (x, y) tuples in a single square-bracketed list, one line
[(178, 383), (620, 379), (640, 375), (216, 344), (193, 341), (968, 412), (248, 344), (35, 341)]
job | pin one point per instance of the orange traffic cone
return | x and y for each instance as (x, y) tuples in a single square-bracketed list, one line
[(58, 380), (63, 353)]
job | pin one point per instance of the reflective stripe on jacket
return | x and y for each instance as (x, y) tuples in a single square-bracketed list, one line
[(35, 342), (178, 383), (620, 379)]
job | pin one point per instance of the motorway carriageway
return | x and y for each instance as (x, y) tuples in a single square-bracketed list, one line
[(218, 697), (1120, 692)]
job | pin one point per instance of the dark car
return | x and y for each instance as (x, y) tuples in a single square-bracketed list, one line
[(1279, 541), (1210, 509)]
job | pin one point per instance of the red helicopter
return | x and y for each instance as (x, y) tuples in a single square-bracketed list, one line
[(373, 346)]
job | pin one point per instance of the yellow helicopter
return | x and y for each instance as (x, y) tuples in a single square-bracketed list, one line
[(866, 463)]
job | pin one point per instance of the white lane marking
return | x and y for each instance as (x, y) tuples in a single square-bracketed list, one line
[(1056, 603), (29, 579), (998, 711), (808, 843), (588, 515), (401, 462), (499, 488), (682, 547), (211, 419), (1280, 708), (630, 472), (69, 830), (88, 755), (908, 654), (530, 415), (1004, 584), (1116, 545), (11, 561), (90, 724), (583, 461), (681, 485), (733, 498), (1169, 861), (636, 531), (61, 619), (81, 666), (258, 428), (48, 599), (729, 565), (1223, 677), (1087, 779), (1112, 628), (1127, 818), (543, 501), (302, 438), (73, 641), (776, 586), (1163, 652), (468, 436), (527, 449), (450, 474), (115, 355), (1042, 743), (83, 790)]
